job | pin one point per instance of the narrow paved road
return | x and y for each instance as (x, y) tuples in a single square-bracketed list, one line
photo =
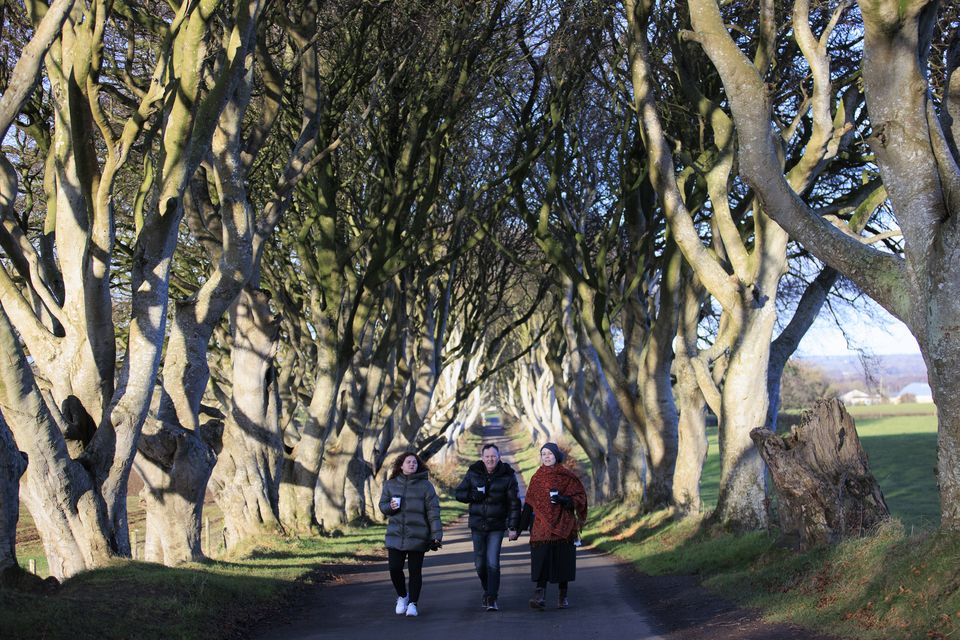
[(608, 600), (361, 607)]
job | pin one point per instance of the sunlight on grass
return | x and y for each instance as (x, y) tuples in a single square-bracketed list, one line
[(885, 587), (902, 450), (211, 600), (890, 586), (902, 583), (909, 408), (217, 599)]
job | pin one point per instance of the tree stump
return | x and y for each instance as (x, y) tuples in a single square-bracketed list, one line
[(822, 477)]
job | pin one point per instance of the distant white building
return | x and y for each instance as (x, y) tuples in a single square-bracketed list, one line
[(856, 397), (914, 392)]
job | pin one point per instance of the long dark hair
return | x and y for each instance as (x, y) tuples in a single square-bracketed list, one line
[(395, 470)]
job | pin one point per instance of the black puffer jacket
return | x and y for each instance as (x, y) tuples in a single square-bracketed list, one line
[(497, 507)]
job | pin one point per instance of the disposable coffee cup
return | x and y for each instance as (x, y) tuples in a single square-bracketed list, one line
[(397, 499), (553, 494), (482, 489)]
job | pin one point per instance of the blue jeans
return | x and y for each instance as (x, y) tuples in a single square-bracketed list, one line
[(486, 558)]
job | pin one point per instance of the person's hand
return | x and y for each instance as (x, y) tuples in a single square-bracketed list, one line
[(564, 501), (512, 535), (435, 545), (394, 504)]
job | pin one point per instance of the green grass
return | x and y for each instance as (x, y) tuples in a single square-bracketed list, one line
[(30, 548), (886, 587), (657, 544), (902, 583), (133, 599), (901, 443), (893, 585), (210, 600), (870, 410), (903, 457), (890, 586), (710, 478)]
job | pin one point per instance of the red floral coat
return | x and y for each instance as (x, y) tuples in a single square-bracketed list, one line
[(552, 521)]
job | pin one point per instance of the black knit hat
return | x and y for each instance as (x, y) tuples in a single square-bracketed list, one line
[(555, 450)]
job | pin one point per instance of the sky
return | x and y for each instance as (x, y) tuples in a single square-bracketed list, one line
[(881, 335)]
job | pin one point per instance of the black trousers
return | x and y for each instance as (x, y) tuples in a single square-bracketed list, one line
[(414, 559)]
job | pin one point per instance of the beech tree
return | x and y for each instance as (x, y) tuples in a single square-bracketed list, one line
[(12, 465), (366, 211), (60, 302), (913, 134), (748, 256)]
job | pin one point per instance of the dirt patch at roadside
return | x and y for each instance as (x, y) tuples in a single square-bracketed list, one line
[(681, 609)]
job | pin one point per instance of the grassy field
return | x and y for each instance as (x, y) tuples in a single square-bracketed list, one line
[(890, 586), (902, 583), (30, 548), (212, 600), (903, 457), (901, 443)]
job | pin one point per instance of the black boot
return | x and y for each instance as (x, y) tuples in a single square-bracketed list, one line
[(537, 600), (562, 602)]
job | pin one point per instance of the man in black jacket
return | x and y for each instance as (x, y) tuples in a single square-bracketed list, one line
[(490, 488)]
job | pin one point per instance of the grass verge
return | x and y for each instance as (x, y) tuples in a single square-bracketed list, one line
[(132, 599), (211, 600), (901, 583), (889, 586)]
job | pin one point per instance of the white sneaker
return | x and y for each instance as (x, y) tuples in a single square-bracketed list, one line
[(402, 605), (412, 610)]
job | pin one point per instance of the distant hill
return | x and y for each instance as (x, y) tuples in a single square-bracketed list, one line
[(886, 374)]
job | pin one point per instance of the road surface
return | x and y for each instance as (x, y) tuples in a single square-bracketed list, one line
[(361, 606), (608, 600)]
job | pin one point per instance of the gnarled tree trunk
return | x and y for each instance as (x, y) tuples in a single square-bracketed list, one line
[(175, 464), (246, 478), (822, 477), (12, 465), (74, 535), (692, 426), (301, 467)]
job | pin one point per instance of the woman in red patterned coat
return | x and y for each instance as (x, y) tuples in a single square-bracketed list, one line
[(558, 501)]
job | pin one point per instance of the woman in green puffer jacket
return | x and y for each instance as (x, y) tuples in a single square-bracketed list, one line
[(413, 507)]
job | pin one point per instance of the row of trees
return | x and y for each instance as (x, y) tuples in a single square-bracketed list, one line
[(258, 248)]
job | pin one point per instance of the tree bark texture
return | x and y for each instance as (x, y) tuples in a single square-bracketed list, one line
[(654, 384), (12, 465), (822, 477), (692, 426), (340, 448), (921, 177), (175, 465), (578, 379), (741, 503), (246, 478), (69, 513), (301, 467)]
